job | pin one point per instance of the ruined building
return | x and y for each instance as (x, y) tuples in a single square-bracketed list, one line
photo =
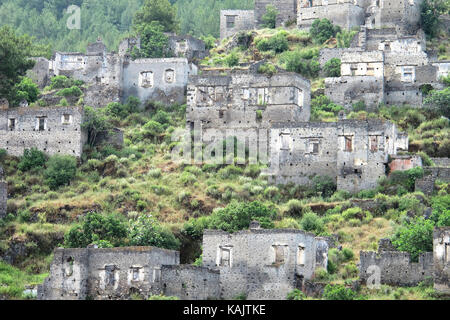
[(53, 130), (396, 268), (114, 77), (263, 264), (231, 266), (3, 194), (353, 152), (272, 114)]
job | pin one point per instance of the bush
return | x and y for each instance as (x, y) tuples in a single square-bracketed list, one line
[(304, 62), (238, 215), (32, 159), (407, 178), (338, 292), (439, 102), (269, 19), (232, 59), (296, 295), (277, 43), (73, 91), (325, 185), (26, 90), (267, 68), (415, 237), (146, 231), (94, 228), (61, 82), (60, 171), (312, 222), (322, 30), (294, 208), (332, 68)]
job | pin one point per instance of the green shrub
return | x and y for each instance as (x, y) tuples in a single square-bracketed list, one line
[(96, 227), (294, 208), (338, 292), (277, 43), (32, 159), (70, 92), (322, 30), (269, 18), (332, 68), (415, 237), (26, 90), (312, 222), (146, 231), (60, 171), (296, 295), (238, 215), (325, 185), (267, 68)]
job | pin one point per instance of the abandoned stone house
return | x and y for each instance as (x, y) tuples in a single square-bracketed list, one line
[(245, 99), (3, 194), (231, 266), (53, 130), (392, 267), (354, 153), (114, 77), (263, 264)]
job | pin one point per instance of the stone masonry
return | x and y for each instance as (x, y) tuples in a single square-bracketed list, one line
[(262, 264), (106, 274), (354, 153), (394, 267), (54, 130)]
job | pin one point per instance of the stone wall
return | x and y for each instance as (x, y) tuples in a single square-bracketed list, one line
[(187, 47), (395, 268), (162, 80), (441, 162), (342, 13), (234, 21), (426, 184), (54, 130), (352, 152), (287, 10), (190, 283), (402, 163), (441, 249), (3, 195), (105, 274), (262, 264)]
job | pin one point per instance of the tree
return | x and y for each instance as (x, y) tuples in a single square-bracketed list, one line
[(269, 19), (94, 122), (160, 11), (344, 38), (146, 231), (238, 215), (322, 30), (332, 68), (415, 237), (32, 159), (439, 102), (107, 230), (154, 43), (60, 171), (429, 14), (26, 90), (14, 57)]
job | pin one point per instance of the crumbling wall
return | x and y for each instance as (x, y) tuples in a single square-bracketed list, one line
[(106, 274), (263, 264), (402, 163), (441, 162), (3, 195), (190, 282), (395, 268), (342, 13), (187, 47), (234, 21), (287, 10), (162, 80), (426, 184), (54, 130), (441, 249), (352, 152), (40, 73)]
